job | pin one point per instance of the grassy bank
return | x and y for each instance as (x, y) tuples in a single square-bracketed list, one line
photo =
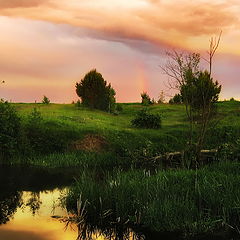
[(185, 201), (112, 138), (63, 125)]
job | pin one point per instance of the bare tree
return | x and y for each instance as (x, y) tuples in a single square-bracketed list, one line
[(213, 46), (197, 88)]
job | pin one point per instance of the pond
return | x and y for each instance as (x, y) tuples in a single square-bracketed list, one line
[(30, 205)]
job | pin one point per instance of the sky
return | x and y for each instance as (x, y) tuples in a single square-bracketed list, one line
[(46, 46)]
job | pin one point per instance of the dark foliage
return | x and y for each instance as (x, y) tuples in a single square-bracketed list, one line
[(119, 107), (45, 100), (46, 136), (146, 100), (144, 119), (177, 99), (10, 130), (95, 92), (200, 91)]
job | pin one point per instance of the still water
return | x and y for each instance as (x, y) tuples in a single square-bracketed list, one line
[(32, 219), (29, 198)]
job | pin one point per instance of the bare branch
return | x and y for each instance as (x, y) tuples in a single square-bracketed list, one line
[(214, 44)]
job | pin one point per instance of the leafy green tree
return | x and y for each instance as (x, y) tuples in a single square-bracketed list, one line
[(45, 100), (95, 92)]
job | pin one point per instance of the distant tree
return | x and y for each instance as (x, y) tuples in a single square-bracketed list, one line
[(45, 100), (232, 99), (146, 100), (161, 97), (177, 99), (95, 92)]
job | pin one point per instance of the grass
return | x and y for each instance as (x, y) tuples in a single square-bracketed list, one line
[(65, 123), (185, 201)]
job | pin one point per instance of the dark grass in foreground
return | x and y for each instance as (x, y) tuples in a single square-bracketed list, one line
[(187, 201)]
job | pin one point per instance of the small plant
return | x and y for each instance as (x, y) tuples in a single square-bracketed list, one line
[(144, 119), (35, 117), (78, 103), (119, 107), (45, 100)]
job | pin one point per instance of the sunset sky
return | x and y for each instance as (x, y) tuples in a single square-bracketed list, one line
[(46, 46)]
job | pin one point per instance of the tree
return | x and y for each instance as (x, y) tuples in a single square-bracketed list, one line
[(45, 100), (146, 100), (95, 92), (198, 90), (199, 93), (161, 98)]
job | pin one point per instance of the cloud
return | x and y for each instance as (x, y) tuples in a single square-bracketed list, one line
[(162, 23), (21, 3)]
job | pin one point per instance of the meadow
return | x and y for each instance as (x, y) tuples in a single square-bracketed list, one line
[(76, 136)]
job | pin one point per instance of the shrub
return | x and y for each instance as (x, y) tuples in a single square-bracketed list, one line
[(46, 136), (119, 107), (78, 103), (144, 119), (10, 130)]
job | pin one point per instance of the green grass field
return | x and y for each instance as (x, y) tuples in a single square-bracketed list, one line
[(64, 124)]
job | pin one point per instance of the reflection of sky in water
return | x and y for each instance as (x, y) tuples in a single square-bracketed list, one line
[(26, 226)]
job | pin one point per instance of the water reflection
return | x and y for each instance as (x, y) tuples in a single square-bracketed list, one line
[(28, 198), (9, 202)]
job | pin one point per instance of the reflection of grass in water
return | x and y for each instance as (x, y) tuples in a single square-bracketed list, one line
[(174, 200), (116, 230)]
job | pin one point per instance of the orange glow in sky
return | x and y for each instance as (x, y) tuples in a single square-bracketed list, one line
[(48, 45)]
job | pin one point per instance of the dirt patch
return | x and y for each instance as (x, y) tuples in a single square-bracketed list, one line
[(91, 143)]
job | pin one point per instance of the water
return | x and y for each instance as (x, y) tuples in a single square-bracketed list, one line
[(28, 199)]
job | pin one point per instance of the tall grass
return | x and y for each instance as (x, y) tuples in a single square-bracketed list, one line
[(189, 201)]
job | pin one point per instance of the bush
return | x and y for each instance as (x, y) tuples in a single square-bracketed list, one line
[(78, 103), (119, 107), (46, 136), (10, 130), (144, 119)]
